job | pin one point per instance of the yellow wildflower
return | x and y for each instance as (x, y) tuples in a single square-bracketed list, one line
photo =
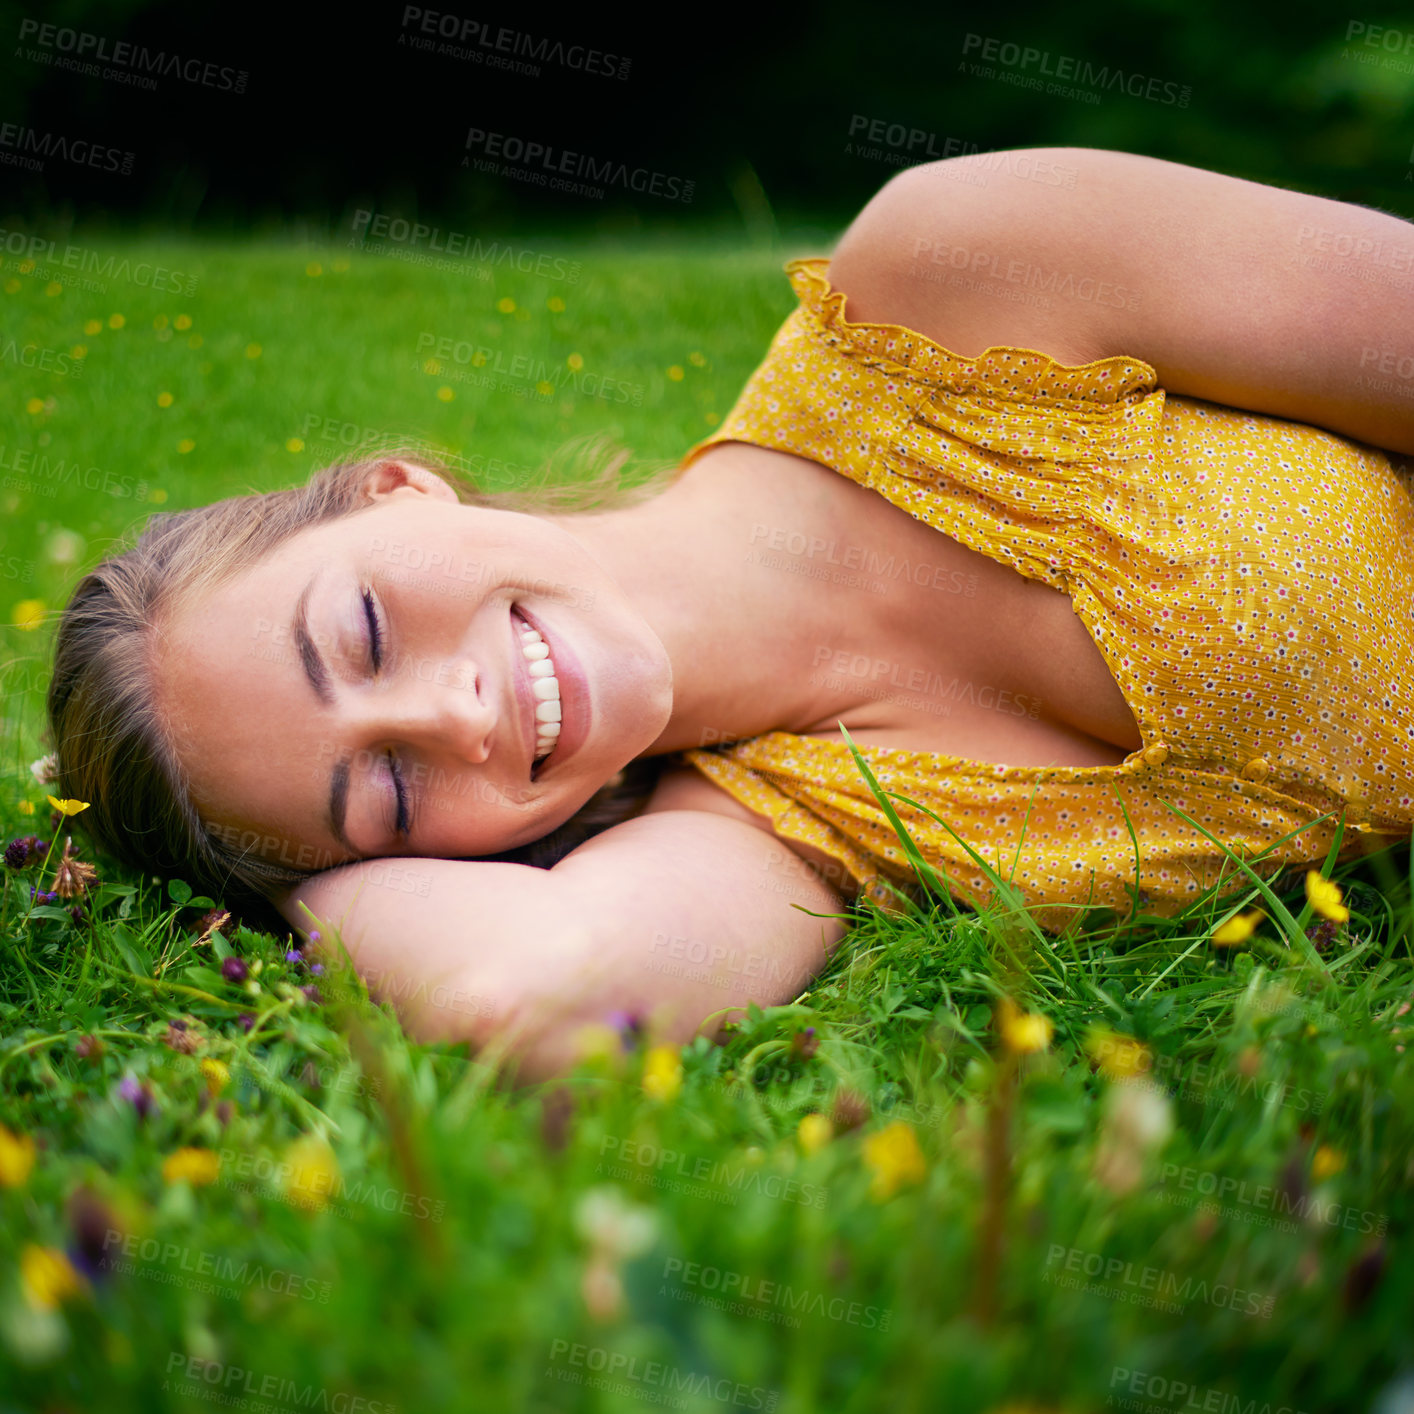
[(1119, 1057), (16, 1158), (1237, 929), (1326, 1163), (48, 1277), (575, 361), (314, 269), (116, 321), (164, 400), (1023, 1032), (216, 1074), (28, 614), (1324, 897), (675, 372), (295, 444), (92, 327), (313, 1173), (814, 1133), (199, 1167), (186, 445), (506, 305), (67, 807), (252, 350), (662, 1073), (555, 304), (895, 1159), (182, 321), (446, 394)]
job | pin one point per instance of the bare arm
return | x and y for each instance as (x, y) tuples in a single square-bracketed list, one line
[(1236, 292), (673, 916)]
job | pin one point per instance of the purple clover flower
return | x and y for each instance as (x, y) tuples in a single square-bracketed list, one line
[(233, 969)]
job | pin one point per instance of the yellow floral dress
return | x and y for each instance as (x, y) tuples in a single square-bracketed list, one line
[(1249, 581)]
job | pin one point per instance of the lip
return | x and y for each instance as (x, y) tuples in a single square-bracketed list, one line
[(574, 696)]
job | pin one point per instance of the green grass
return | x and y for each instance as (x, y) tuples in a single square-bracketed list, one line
[(456, 1267)]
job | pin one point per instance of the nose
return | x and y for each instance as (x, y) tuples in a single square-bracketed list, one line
[(438, 705)]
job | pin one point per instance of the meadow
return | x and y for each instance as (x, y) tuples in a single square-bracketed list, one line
[(974, 1168)]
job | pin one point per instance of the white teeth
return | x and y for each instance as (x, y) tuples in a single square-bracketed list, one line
[(545, 687)]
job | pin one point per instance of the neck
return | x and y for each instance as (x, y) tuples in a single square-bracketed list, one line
[(743, 636)]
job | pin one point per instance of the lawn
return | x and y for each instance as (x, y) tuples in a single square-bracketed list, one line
[(973, 1168)]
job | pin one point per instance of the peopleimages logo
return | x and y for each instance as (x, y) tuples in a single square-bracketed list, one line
[(547, 166), (90, 50)]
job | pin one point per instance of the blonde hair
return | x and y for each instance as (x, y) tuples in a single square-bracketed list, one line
[(112, 747)]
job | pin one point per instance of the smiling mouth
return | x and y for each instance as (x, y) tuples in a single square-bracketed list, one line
[(544, 688)]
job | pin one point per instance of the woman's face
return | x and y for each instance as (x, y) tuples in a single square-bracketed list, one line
[(365, 689)]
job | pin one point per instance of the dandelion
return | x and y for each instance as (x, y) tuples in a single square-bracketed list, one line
[(696, 360), (198, 1167), (544, 388), (68, 807), (16, 1158), (575, 361), (314, 269), (1326, 1163), (895, 1160), (1324, 897), (814, 1133), (182, 321), (165, 400), (662, 1073), (186, 445), (506, 305), (28, 614), (48, 1277), (675, 372), (1023, 1033), (445, 394), (34, 406), (555, 304), (1119, 1057), (92, 327), (116, 321), (294, 444), (252, 350), (216, 1074), (313, 1173), (1237, 929)]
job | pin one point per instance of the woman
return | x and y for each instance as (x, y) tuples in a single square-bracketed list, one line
[(989, 505)]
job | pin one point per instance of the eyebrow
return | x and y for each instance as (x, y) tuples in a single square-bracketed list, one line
[(314, 668), (318, 676)]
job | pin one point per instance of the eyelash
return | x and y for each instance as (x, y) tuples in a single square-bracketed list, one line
[(375, 649)]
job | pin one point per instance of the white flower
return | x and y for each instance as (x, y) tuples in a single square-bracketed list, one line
[(617, 1228), (46, 770)]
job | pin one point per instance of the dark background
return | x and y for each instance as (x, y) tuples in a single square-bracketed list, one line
[(752, 105)]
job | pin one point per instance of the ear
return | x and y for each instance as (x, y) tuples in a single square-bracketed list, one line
[(390, 478)]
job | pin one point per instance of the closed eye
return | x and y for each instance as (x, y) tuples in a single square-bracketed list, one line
[(375, 630)]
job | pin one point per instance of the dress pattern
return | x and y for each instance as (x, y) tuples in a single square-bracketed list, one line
[(1249, 582)]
